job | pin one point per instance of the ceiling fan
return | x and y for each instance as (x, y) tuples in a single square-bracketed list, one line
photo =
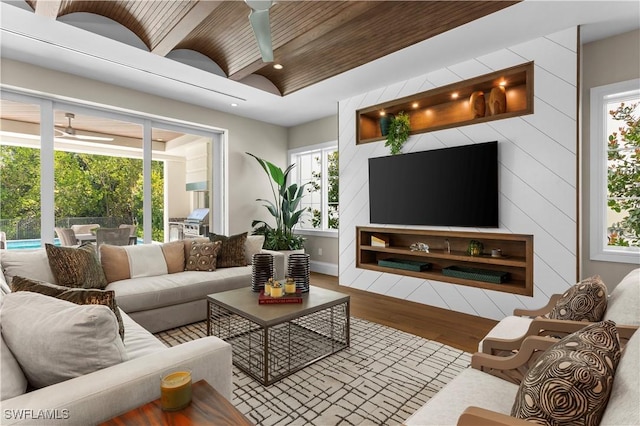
[(70, 132), (259, 18)]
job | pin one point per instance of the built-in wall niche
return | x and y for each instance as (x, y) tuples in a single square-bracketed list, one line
[(452, 106)]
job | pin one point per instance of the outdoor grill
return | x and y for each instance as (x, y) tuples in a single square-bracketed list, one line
[(195, 225)]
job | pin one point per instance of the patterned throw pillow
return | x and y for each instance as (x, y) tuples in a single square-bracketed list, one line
[(585, 301), (203, 256), (79, 296), (76, 267), (232, 251), (27, 284), (571, 381)]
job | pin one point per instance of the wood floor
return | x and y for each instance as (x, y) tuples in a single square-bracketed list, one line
[(451, 328)]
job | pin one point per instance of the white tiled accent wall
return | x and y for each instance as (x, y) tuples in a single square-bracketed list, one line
[(537, 176)]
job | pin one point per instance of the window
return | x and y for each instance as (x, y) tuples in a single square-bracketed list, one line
[(615, 172), (317, 168)]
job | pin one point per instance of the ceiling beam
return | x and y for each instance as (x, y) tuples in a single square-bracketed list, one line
[(48, 8), (301, 44), (191, 20)]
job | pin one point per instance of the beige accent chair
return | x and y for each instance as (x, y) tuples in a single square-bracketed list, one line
[(67, 236), (622, 308), (485, 393)]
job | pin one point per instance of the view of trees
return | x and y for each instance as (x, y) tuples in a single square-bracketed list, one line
[(624, 176), (86, 185), (332, 192)]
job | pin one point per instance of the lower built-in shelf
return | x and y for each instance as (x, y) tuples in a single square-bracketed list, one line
[(516, 259)]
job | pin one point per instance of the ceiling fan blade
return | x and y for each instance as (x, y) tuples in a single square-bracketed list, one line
[(259, 19)]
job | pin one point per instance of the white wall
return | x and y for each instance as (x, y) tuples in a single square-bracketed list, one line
[(604, 62), (537, 175), (246, 182)]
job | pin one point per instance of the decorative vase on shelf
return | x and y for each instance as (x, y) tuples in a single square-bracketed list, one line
[(384, 121), (497, 100), (477, 104)]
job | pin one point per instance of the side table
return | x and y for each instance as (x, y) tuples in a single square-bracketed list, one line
[(207, 407)]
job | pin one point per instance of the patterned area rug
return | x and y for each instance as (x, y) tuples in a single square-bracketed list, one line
[(383, 378)]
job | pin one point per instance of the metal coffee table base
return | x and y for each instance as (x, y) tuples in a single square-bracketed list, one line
[(272, 352)]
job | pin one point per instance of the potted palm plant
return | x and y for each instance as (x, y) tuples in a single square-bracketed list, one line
[(283, 208)]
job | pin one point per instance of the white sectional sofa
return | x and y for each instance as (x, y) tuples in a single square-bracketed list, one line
[(156, 301), (148, 303)]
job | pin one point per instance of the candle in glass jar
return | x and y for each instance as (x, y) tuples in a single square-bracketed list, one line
[(290, 287), (175, 390), (276, 291)]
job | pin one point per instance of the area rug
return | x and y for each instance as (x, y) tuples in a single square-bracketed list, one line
[(381, 379)]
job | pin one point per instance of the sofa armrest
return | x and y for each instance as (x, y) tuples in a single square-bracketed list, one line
[(278, 263), (538, 312), (545, 327), (476, 416), (104, 394), (513, 368)]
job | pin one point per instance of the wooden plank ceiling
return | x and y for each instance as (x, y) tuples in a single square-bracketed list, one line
[(313, 40)]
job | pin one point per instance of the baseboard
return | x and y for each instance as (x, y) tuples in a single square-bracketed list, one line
[(324, 268)]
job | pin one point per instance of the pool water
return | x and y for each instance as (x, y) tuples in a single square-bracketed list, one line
[(35, 243), (27, 244)]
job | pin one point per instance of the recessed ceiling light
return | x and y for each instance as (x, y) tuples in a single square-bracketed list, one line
[(454, 95), (234, 104), (382, 113), (415, 105), (278, 66), (503, 83)]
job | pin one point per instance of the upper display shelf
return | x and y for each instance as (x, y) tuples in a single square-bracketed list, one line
[(495, 96)]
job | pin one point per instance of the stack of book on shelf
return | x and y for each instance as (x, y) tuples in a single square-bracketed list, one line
[(379, 241)]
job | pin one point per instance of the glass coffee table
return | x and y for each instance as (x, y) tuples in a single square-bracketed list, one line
[(272, 341)]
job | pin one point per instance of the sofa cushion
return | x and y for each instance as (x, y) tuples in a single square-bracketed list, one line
[(571, 381), (232, 252), (470, 388), (203, 256), (623, 407), (115, 263), (76, 267), (13, 381), (146, 260), (174, 256), (146, 293), (55, 340), (79, 296), (252, 246), (92, 296), (584, 301), (27, 263), (138, 341), (623, 303)]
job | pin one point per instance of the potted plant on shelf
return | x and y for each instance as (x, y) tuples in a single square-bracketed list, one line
[(283, 208), (399, 130)]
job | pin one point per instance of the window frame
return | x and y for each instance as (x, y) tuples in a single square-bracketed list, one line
[(600, 96), (324, 148)]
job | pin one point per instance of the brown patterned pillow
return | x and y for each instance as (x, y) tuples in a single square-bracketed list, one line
[(203, 256), (585, 301), (92, 296), (232, 251), (27, 284), (571, 381), (79, 296), (76, 267)]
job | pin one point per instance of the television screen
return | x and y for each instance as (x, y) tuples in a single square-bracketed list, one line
[(442, 187)]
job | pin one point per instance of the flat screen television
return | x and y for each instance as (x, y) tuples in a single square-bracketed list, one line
[(442, 187)]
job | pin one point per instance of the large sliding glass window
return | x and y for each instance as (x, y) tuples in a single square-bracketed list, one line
[(65, 164)]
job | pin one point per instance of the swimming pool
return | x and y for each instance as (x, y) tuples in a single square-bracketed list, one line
[(35, 243), (27, 244)]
